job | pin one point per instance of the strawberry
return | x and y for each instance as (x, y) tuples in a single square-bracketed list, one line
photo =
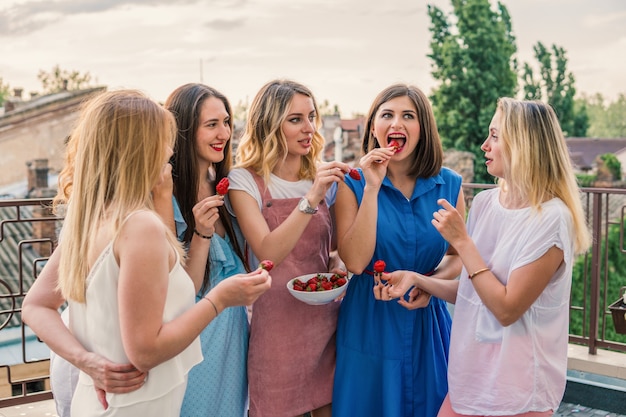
[(327, 285), (222, 187), (267, 265), (394, 144), (354, 174), (379, 266), (341, 281), (311, 287)]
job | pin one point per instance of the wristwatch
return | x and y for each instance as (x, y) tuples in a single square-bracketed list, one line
[(305, 207)]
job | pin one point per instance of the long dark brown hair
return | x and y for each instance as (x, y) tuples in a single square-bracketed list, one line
[(185, 103)]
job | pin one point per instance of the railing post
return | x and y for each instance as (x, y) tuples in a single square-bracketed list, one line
[(595, 272)]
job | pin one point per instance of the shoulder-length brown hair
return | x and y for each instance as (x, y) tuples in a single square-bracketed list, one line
[(428, 154)]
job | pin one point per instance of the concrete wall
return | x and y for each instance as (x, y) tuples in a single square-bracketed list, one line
[(37, 130)]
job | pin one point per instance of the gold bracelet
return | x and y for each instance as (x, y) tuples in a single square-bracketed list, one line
[(213, 304), (470, 276)]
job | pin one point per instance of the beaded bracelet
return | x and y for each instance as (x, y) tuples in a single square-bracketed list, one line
[(201, 235), (470, 276)]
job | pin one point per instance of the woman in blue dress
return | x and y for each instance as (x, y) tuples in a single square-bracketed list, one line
[(392, 362), (218, 386)]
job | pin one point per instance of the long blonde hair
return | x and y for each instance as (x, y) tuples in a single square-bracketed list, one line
[(538, 163), (263, 146), (116, 152)]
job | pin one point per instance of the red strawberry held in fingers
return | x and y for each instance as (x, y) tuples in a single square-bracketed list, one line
[(222, 187), (267, 265), (379, 268), (395, 145), (354, 174)]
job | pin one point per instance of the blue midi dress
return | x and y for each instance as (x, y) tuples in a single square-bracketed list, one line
[(392, 362), (218, 386)]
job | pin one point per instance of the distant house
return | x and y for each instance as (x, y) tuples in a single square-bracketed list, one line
[(348, 131), (37, 129), (584, 151)]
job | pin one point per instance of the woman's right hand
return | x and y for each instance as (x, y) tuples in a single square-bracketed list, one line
[(241, 289), (374, 165), (206, 214), (112, 377)]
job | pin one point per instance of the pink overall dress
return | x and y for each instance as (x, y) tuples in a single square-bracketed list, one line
[(291, 357)]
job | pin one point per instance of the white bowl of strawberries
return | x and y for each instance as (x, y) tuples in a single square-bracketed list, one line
[(319, 288)]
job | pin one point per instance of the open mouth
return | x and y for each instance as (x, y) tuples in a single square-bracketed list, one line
[(399, 139)]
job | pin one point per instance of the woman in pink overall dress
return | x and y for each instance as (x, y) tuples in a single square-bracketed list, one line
[(280, 193)]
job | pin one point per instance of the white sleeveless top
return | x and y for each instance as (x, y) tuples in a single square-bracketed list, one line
[(96, 325)]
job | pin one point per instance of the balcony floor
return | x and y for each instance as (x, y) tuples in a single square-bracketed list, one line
[(36, 409), (46, 409)]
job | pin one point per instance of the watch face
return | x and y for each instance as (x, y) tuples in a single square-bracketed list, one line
[(304, 207)]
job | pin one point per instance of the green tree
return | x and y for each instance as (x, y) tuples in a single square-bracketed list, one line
[(613, 165), (240, 111), (556, 86), (60, 79), (326, 109), (606, 120), (4, 91), (473, 62)]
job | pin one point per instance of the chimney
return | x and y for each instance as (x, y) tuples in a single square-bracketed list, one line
[(38, 188), (9, 105), (17, 92), (37, 178)]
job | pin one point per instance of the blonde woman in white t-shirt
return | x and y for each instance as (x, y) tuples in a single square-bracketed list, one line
[(508, 349)]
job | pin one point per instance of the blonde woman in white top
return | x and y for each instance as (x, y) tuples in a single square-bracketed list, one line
[(508, 349)]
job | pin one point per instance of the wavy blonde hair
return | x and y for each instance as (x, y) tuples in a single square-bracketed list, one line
[(263, 146), (115, 155), (538, 163)]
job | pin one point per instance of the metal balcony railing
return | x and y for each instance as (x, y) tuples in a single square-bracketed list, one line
[(28, 234)]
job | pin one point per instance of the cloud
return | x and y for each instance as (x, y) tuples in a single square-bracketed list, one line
[(28, 17), (226, 24)]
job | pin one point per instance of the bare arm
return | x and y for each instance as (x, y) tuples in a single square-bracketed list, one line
[(206, 215), (40, 312), (507, 302), (145, 259), (275, 245), (356, 233), (403, 281)]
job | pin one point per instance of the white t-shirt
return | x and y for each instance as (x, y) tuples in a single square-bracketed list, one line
[(496, 370)]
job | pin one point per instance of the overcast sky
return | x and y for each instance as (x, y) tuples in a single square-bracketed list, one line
[(346, 51)]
